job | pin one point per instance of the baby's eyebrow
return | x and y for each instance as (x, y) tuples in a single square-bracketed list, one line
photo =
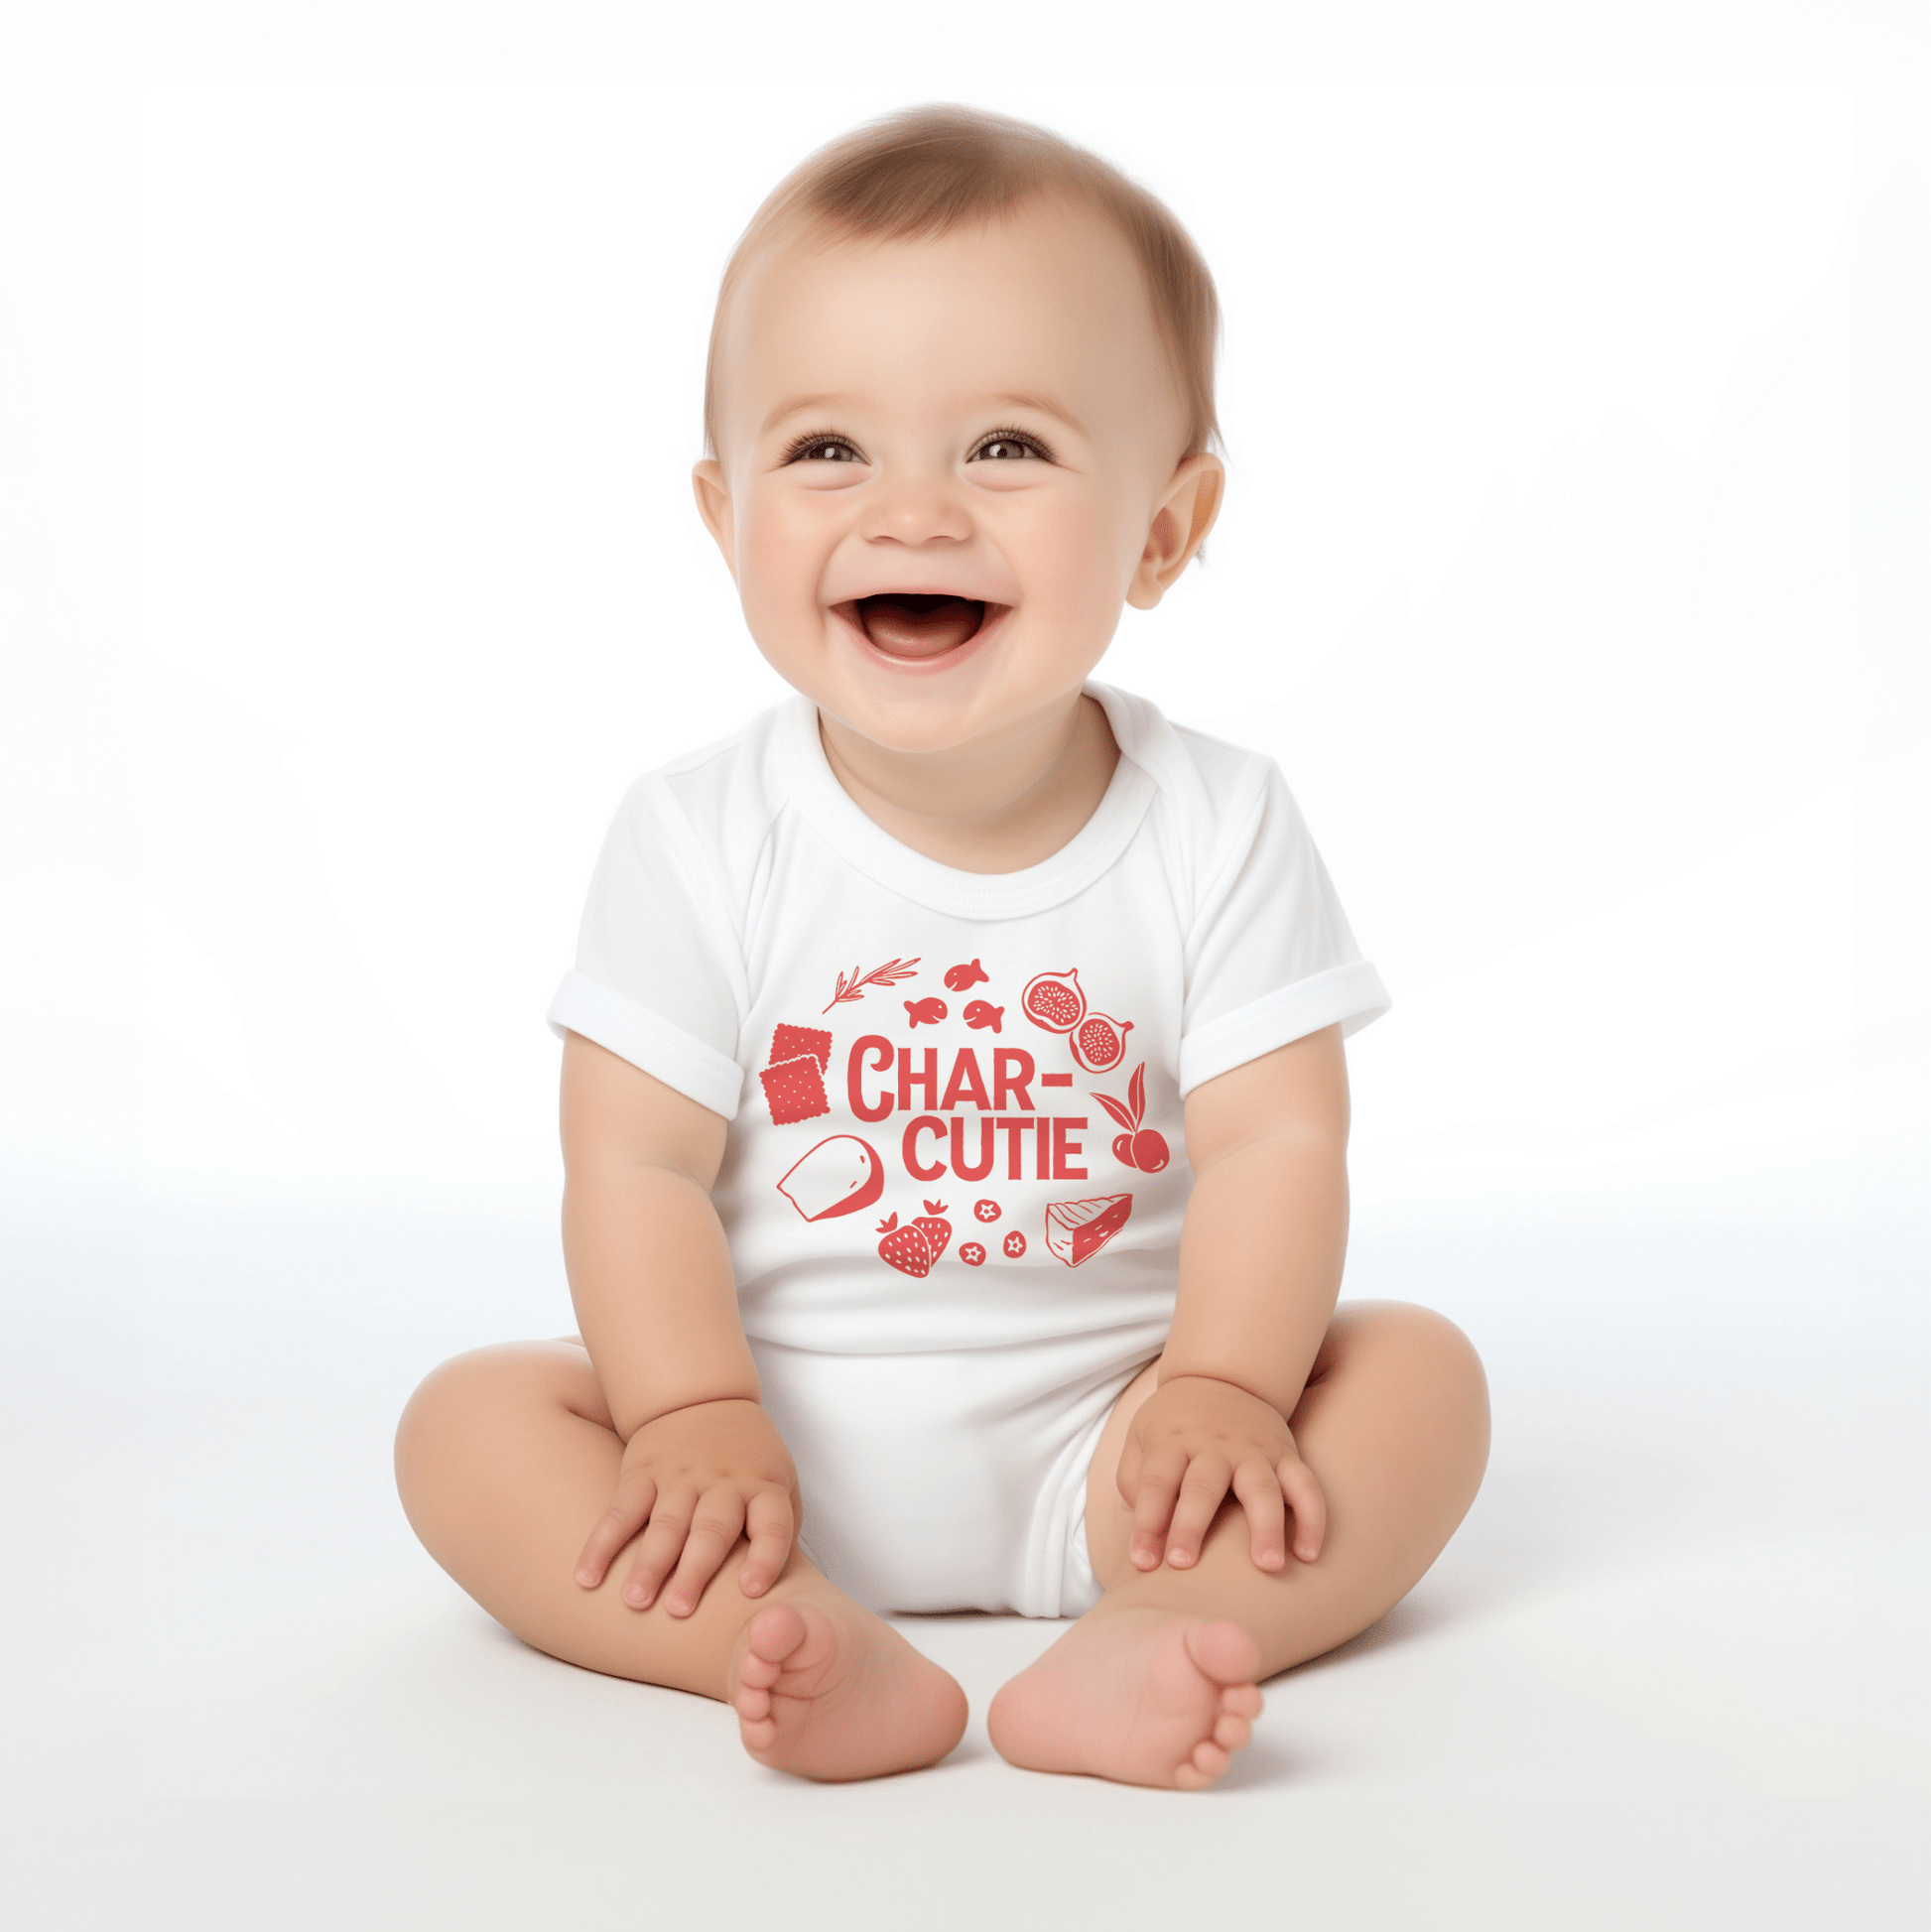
[(829, 403), (797, 405), (1045, 405)]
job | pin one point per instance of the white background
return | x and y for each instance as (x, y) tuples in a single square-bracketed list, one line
[(1559, 568), (1578, 402)]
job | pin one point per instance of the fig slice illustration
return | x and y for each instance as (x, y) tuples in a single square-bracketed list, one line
[(1098, 1042), (1054, 1000)]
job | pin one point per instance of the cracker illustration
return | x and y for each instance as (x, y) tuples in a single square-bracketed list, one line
[(789, 1042), (794, 1089)]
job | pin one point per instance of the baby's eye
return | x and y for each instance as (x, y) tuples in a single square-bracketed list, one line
[(1010, 445), (822, 448)]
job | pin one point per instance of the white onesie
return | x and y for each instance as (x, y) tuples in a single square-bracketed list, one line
[(955, 1175)]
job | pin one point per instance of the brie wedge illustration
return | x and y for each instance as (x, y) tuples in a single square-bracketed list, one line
[(1077, 1228)]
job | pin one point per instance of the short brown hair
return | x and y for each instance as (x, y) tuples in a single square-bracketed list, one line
[(928, 170)]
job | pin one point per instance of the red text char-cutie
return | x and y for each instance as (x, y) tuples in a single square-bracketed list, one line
[(969, 1116)]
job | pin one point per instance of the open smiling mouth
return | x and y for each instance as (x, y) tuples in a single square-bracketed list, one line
[(919, 625)]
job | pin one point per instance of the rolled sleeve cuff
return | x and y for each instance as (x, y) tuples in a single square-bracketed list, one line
[(636, 1034), (1351, 995)]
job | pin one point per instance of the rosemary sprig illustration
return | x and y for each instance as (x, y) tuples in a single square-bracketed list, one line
[(889, 975)]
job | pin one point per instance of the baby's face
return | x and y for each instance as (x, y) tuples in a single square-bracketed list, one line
[(946, 464)]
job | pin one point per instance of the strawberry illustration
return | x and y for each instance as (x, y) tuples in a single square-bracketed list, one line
[(937, 1232), (905, 1249)]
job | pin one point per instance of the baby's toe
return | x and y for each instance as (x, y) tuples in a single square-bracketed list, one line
[(1231, 1733), (1241, 1701), (1224, 1650), (770, 1639)]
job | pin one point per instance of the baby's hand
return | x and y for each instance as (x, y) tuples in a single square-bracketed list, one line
[(1192, 1440), (701, 1477)]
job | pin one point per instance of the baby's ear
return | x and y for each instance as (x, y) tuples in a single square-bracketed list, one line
[(714, 506), (1181, 520)]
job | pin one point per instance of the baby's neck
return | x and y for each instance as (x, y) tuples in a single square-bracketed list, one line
[(982, 808)]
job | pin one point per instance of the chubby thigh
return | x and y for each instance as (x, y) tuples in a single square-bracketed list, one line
[(951, 1479)]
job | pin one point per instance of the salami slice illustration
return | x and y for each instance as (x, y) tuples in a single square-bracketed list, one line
[(839, 1176)]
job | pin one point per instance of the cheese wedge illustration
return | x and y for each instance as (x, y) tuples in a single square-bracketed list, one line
[(1077, 1228), (836, 1177)]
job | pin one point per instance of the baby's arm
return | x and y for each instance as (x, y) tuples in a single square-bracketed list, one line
[(650, 1275), (1260, 1260)]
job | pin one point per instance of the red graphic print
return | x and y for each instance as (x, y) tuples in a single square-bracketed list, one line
[(906, 1249), (839, 1176), (1053, 1001), (972, 1254), (935, 1230), (985, 1210), (794, 1089), (1098, 1042), (959, 978), (789, 1042), (1014, 1245), (1075, 1230), (925, 1012), (1138, 1147), (889, 975), (979, 1013)]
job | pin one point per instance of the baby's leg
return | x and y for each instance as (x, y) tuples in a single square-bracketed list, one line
[(1156, 1684), (506, 1457)]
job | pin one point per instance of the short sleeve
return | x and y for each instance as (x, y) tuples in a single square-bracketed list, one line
[(1269, 956), (658, 979)]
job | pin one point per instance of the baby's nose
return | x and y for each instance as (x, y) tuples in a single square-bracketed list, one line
[(917, 510)]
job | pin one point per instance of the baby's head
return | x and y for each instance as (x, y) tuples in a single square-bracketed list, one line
[(959, 403)]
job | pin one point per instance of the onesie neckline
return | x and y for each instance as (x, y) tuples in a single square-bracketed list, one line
[(872, 851)]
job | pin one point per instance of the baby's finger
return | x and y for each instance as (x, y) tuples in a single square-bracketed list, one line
[(1200, 1501), (1259, 1491), (1305, 1498), (1153, 1502), (768, 1523), (628, 1512), (713, 1531), (662, 1542)]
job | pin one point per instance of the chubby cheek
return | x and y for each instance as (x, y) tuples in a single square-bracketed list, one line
[(1072, 572), (782, 547)]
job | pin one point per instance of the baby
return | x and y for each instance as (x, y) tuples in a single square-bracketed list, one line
[(953, 1105)]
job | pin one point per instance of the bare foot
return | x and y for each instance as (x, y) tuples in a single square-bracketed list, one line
[(1141, 1695), (826, 1690)]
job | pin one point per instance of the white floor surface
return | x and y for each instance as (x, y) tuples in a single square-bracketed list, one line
[(1670, 1673)]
